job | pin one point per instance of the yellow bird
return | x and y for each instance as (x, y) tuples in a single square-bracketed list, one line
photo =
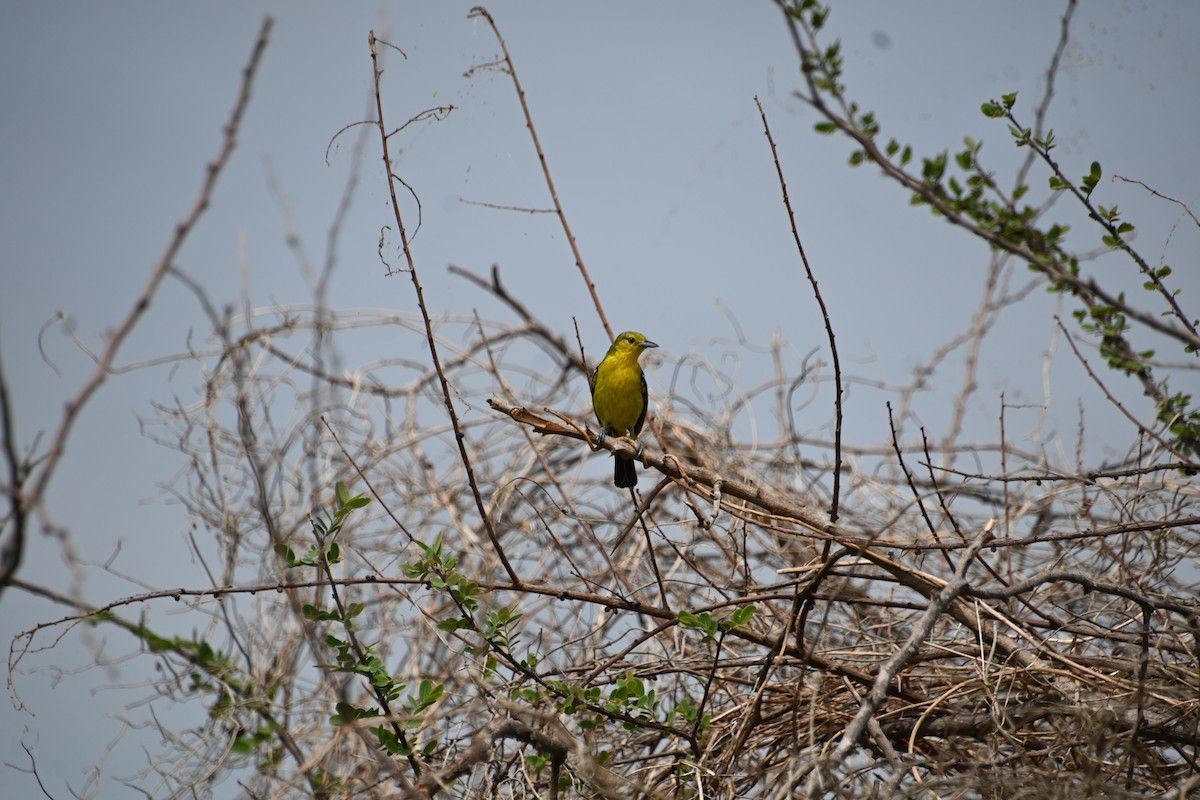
[(620, 398)]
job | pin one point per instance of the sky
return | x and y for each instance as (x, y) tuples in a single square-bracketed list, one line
[(646, 113)]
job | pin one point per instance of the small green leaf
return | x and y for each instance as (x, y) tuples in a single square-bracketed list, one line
[(933, 168), (287, 554), (455, 623), (991, 110), (243, 746), (1090, 180), (742, 615)]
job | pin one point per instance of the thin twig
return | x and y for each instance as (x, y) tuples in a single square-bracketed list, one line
[(430, 338), (812, 279), (480, 11)]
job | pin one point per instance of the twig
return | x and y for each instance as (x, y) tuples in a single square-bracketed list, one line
[(431, 339), (1158, 194), (480, 11), (1117, 403), (907, 474), (812, 279)]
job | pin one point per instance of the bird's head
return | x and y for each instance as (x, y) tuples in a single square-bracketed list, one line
[(629, 345)]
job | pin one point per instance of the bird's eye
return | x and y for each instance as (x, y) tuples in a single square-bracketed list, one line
[(630, 340)]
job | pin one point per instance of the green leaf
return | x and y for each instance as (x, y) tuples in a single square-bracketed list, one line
[(991, 110), (428, 693), (1008, 99), (742, 615), (1091, 179), (287, 554), (455, 624), (825, 128), (243, 745), (934, 168)]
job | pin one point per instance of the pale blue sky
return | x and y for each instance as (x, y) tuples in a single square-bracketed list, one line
[(646, 113)]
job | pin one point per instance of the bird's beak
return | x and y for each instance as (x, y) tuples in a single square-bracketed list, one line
[(647, 344)]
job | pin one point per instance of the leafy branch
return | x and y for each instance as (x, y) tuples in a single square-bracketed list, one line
[(972, 200)]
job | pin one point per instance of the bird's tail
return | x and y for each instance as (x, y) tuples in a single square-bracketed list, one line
[(624, 473)]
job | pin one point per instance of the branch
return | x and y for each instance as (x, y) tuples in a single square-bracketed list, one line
[(459, 436), (480, 11), (837, 364), (776, 503)]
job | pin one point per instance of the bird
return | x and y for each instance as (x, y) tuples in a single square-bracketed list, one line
[(620, 398)]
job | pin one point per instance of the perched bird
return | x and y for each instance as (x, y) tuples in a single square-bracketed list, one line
[(620, 398)]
